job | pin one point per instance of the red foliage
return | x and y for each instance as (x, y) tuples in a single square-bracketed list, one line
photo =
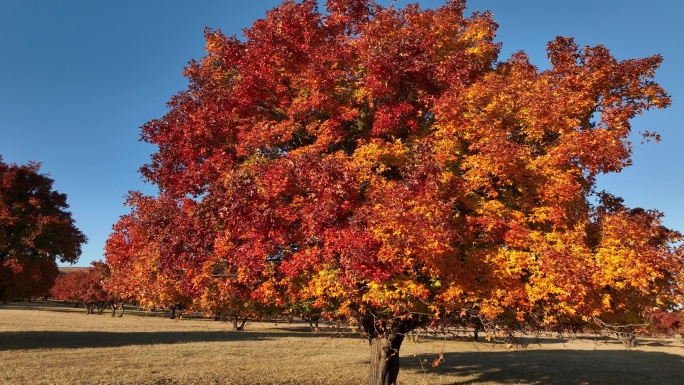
[(667, 322), (83, 286), (28, 280), (35, 231), (381, 164), (381, 161)]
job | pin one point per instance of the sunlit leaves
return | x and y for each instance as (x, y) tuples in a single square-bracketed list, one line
[(380, 160), (85, 285)]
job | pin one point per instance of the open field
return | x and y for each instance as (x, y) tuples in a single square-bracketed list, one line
[(48, 343)]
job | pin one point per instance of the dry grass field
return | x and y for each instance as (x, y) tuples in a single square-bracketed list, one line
[(48, 343)]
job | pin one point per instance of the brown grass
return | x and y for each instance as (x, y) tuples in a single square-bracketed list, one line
[(48, 343)]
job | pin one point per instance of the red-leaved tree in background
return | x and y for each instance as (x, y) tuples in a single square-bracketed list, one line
[(36, 230), (87, 286)]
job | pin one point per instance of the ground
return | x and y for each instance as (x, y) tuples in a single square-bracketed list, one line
[(49, 343)]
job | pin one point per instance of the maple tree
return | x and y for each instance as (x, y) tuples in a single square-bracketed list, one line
[(154, 253), (85, 286), (667, 322), (382, 165), (27, 280), (67, 287), (36, 230)]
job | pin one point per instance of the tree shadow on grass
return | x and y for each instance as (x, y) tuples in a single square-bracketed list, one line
[(559, 367), (94, 339)]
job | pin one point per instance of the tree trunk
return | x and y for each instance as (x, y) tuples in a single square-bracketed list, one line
[(239, 325), (384, 362), (313, 321), (385, 338), (116, 306)]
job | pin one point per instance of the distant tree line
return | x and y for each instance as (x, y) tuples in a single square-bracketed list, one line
[(87, 287)]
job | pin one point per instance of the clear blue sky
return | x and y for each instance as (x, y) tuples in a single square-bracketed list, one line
[(78, 79)]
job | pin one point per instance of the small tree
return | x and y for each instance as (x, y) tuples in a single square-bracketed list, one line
[(67, 287), (86, 286), (35, 231), (141, 251), (668, 323), (382, 165)]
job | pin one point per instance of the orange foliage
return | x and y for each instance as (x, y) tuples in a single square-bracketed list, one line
[(381, 161)]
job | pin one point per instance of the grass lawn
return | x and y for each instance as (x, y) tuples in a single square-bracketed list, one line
[(49, 343)]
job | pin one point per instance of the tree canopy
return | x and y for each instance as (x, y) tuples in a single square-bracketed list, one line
[(36, 230), (383, 165), (87, 286)]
